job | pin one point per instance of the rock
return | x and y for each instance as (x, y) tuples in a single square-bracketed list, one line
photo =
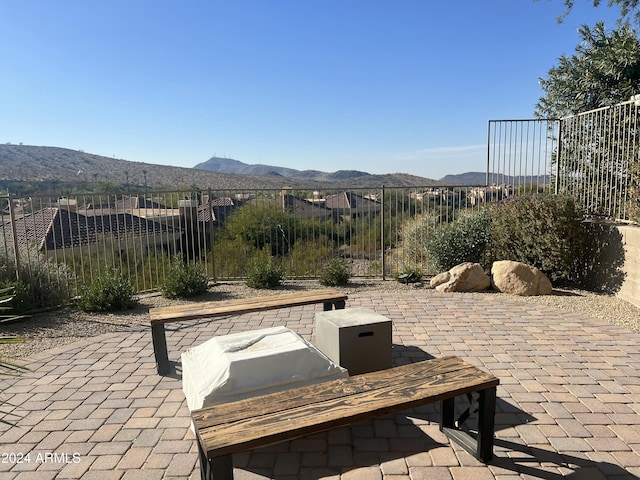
[(519, 279), (466, 277), (440, 279)]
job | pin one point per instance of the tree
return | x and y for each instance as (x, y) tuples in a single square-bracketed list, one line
[(603, 71), (627, 7), (264, 223)]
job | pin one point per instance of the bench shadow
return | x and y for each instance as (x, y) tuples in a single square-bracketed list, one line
[(522, 457), (413, 433), (367, 443)]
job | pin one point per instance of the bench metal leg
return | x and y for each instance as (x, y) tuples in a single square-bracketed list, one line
[(481, 446), (219, 468), (160, 348), (486, 424), (326, 306)]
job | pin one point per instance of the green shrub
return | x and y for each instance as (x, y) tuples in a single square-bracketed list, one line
[(415, 233), (307, 258), (545, 231), (43, 283), (8, 309), (263, 272), (463, 240), (109, 292), (410, 275), (336, 273), (184, 280), (232, 256), (19, 300)]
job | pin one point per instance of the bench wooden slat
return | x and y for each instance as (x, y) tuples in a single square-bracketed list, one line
[(298, 397), (160, 316), (237, 426), (193, 311)]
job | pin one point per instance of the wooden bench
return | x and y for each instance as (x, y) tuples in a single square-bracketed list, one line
[(242, 425), (177, 313)]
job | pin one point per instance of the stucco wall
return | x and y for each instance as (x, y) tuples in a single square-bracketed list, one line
[(630, 290)]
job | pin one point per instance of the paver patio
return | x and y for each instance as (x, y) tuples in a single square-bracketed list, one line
[(568, 402)]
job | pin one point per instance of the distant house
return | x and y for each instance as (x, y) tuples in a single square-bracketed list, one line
[(304, 208), (216, 210), (351, 205), (63, 227)]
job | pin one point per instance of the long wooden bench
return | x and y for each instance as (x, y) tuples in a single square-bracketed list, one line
[(228, 428), (160, 316)]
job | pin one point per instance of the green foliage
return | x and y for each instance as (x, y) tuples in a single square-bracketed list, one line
[(263, 224), (184, 280), (15, 299), (8, 302), (545, 231), (109, 292), (232, 256), (463, 240), (336, 273), (604, 70), (415, 233), (43, 283), (410, 275), (263, 272), (308, 258)]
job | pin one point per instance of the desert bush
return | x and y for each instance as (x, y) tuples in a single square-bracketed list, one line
[(308, 257), (109, 292), (415, 233), (410, 275), (42, 282), (184, 280), (263, 272), (263, 224), (463, 240), (232, 257), (546, 231), (20, 300), (336, 273)]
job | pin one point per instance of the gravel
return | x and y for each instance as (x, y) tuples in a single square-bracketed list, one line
[(57, 328)]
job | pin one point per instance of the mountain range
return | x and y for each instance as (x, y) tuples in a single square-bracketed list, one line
[(76, 170), (45, 169), (341, 177)]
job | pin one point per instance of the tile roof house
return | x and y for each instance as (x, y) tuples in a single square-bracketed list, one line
[(216, 209), (59, 227), (351, 204), (304, 208)]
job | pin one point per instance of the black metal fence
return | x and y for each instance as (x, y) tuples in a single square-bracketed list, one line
[(378, 231)]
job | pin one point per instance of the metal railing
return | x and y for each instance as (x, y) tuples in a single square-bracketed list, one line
[(593, 156), (378, 231), (598, 160), (520, 154)]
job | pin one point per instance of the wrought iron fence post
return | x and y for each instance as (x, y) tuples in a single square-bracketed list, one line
[(559, 157), (382, 232), (212, 237), (14, 235)]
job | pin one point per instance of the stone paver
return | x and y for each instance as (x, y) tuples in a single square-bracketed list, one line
[(568, 402)]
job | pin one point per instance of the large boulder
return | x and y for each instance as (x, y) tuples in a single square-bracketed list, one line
[(466, 277), (519, 279)]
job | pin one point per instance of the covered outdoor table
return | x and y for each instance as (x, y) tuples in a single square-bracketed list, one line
[(241, 365)]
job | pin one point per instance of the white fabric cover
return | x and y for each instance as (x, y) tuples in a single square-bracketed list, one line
[(241, 365)]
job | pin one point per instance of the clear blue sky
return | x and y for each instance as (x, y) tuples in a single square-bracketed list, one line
[(377, 85)]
